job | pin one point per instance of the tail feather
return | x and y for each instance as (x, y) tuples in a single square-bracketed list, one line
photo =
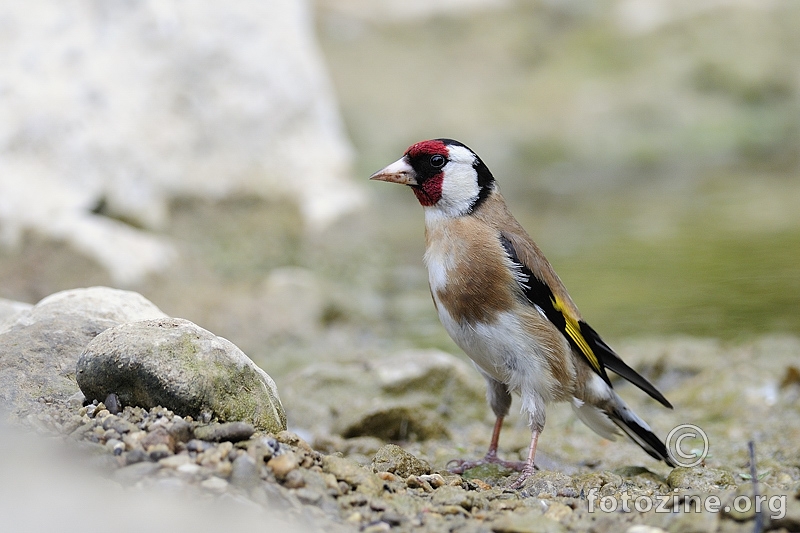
[(607, 417), (640, 433), (596, 419), (613, 362)]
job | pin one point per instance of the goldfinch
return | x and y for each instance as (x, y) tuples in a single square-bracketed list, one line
[(503, 304)]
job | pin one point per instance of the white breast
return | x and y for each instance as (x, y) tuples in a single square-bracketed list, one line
[(503, 349)]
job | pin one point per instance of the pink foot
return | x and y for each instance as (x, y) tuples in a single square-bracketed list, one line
[(525, 473)]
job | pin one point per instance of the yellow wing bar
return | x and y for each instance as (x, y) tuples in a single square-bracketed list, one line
[(573, 329)]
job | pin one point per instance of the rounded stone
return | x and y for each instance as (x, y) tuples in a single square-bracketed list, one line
[(282, 464), (40, 347), (394, 459), (700, 479), (176, 364), (230, 431), (245, 473)]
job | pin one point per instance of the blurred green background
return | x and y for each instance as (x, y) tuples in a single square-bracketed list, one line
[(653, 154)]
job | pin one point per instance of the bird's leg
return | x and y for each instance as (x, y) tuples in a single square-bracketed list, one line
[(528, 469), (460, 466), (492, 452)]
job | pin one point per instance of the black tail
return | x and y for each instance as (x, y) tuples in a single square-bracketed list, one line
[(640, 433), (613, 362)]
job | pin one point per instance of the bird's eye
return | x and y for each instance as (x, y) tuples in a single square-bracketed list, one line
[(438, 161)]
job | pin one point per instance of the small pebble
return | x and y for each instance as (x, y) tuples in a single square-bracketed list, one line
[(416, 482), (115, 446), (135, 456), (377, 527), (198, 446), (264, 449), (231, 431), (377, 505), (119, 448), (294, 480), (558, 511), (189, 469), (214, 484), (482, 485), (272, 444), (80, 431), (175, 461), (392, 518), (158, 437), (180, 430), (113, 404), (435, 480), (244, 472), (118, 424), (135, 472), (330, 481), (158, 452), (214, 457), (133, 439), (283, 464), (224, 469), (293, 439), (76, 400), (308, 496)]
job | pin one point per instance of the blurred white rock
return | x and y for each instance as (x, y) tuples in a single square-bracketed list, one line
[(408, 10), (129, 104)]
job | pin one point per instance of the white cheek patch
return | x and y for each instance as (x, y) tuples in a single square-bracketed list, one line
[(460, 154), (459, 188), (460, 185)]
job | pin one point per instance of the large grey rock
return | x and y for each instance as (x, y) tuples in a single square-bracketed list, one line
[(39, 350), (179, 365)]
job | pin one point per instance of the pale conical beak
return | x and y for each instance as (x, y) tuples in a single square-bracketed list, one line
[(398, 172)]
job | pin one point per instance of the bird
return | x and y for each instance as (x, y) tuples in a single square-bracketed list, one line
[(503, 304)]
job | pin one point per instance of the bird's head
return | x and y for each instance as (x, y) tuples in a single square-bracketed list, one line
[(444, 174)]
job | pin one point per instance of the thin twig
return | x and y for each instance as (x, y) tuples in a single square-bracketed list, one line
[(759, 525)]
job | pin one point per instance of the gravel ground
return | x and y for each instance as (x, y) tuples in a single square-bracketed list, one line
[(146, 450)]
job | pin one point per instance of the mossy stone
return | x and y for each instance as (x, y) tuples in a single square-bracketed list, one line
[(179, 365)]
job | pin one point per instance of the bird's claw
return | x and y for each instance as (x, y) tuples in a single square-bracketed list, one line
[(525, 473)]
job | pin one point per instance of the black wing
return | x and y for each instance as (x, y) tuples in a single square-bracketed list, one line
[(580, 335)]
